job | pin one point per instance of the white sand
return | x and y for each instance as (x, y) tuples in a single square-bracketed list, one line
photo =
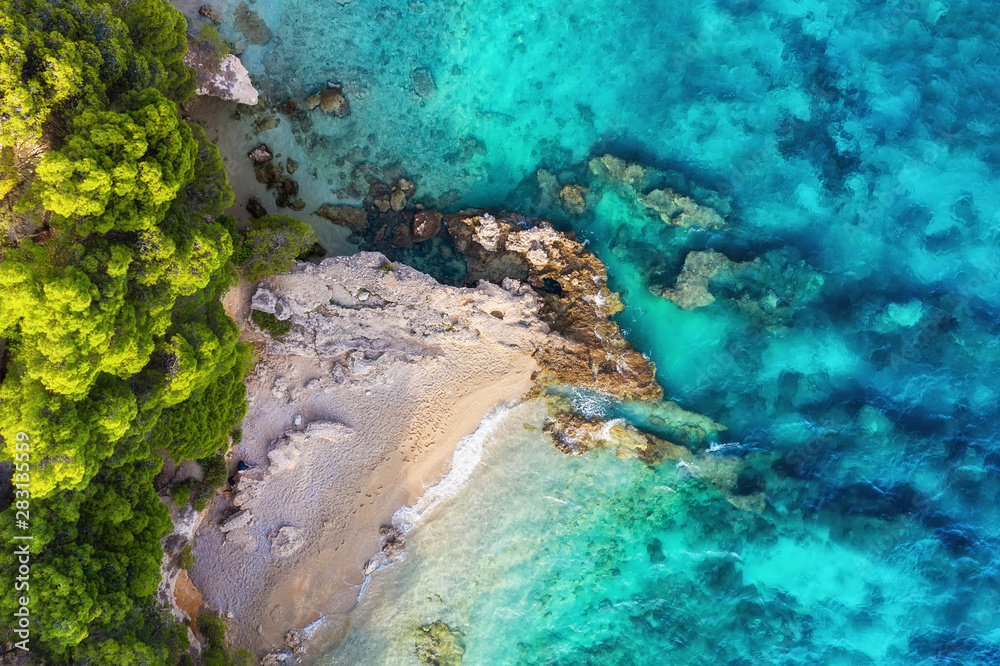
[(387, 380)]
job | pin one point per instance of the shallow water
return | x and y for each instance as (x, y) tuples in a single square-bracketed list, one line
[(857, 137)]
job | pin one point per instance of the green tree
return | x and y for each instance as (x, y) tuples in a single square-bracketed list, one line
[(273, 242)]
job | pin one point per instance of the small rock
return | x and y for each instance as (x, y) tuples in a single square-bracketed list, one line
[(572, 197), (426, 224), (297, 420), (287, 542), (256, 208), (332, 100), (291, 166), (383, 204), (351, 217), (423, 83), (407, 186), (208, 11), (288, 107), (313, 101), (261, 154), (397, 200), (266, 123), (239, 47)]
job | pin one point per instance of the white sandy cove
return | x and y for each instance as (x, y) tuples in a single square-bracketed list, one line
[(389, 370)]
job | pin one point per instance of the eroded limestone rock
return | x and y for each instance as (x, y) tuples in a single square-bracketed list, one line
[(227, 79)]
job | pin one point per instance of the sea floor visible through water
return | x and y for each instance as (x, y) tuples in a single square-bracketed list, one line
[(853, 148)]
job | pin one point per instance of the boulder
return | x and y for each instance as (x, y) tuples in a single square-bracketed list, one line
[(426, 223), (261, 154), (208, 11), (265, 301), (227, 79), (355, 219), (287, 542), (256, 208), (332, 100)]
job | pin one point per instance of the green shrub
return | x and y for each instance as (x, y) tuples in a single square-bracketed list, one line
[(268, 322), (217, 651), (181, 493), (272, 243), (187, 559), (214, 475)]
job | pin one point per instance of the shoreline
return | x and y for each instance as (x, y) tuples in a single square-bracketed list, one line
[(374, 435)]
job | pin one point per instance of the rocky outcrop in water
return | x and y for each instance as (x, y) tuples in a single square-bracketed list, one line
[(768, 289), (437, 644), (572, 284)]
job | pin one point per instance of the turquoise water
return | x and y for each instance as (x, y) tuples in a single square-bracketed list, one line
[(859, 139)]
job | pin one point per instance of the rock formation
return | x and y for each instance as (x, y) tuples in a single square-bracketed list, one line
[(227, 79), (572, 284), (768, 289)]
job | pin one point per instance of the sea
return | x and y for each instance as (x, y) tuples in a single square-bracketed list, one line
[(853, 148)]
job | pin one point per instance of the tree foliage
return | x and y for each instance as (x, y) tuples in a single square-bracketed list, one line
[(272, 243), (113, 258)]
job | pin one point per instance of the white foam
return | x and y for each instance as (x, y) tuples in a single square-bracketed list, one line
[(467, 457)]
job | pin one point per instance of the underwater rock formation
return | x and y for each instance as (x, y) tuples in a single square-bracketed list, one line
[(252, 26), (656, 193), (437, 644), (768, 288)]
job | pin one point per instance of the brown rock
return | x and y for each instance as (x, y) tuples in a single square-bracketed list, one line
[(313, 101), (407, 186), (383, 204), (401, 236), (577, 303), (397, 200), (332, 100), (351, 217), (288, 107), (208, 11), (572, 198), (256, 208), (291, 166), (426, 223)]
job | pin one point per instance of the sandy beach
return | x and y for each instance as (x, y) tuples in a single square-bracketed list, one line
[(360, 408)]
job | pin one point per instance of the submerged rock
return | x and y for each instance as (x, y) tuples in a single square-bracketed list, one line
[(332, 100), (423, 83), (208, 11), (656, 193), (572, 198), (351, 217), (768, 289), (251, 25), (426, 224), (437, 644)]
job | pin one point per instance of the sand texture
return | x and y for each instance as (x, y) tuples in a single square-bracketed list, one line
[(353, 414)]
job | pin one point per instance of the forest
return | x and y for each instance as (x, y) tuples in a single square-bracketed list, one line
[(115, 350)]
